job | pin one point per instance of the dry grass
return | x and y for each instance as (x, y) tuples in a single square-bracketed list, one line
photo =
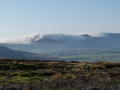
[(58, 75)]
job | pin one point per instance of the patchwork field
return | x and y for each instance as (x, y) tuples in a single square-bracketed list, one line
[(89, 55), (113, 57)]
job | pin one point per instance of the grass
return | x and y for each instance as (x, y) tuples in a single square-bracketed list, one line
[(94, 57), (53, 75)]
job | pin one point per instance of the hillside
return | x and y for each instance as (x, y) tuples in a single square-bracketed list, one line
[(38, 43), (58, 75), (15, 54), (84, 47)]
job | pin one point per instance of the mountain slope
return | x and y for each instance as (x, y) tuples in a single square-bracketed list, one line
[(40, 42), (14, 54)]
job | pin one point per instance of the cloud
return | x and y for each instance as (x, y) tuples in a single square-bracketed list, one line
[(94, 34), (35, 37), (21, 40)]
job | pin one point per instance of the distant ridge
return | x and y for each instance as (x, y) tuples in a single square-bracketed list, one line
[(5, 52), (62, 41)]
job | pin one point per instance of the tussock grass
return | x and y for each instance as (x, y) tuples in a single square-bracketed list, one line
[(58, 75)]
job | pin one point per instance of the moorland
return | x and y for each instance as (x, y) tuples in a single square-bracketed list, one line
[(21, 74)]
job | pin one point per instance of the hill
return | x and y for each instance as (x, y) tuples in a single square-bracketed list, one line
[(39, 43), (6, 52)]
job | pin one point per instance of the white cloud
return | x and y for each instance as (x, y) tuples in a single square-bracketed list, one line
[(34, 37), (21, 40), (94, 34)]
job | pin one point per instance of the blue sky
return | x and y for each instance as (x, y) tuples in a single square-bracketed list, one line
[(23, 17)]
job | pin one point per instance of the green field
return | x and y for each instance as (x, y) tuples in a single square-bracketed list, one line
[(94, 57), (89, 55)]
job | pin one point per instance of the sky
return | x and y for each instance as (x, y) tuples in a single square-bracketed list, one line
[(24, 17)]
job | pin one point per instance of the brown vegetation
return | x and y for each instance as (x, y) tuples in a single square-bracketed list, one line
[(58, 75)]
